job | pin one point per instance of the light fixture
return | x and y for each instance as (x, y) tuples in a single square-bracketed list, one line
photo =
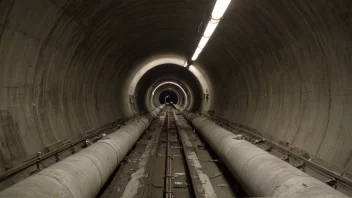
[(198, 50), (220, 8), (195, 56), (210, 28), (218, 11), (203, 42)]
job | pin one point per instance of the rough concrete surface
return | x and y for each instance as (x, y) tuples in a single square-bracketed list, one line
[(282, 68)]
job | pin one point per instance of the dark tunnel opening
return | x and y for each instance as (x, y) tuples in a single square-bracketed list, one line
[(168, 76), (168, 97)]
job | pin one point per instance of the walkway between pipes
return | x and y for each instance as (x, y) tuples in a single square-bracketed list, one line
[(174, 160), (171, 160), (161, 155)]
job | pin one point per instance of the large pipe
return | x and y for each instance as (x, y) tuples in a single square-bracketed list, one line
[(260, 173), (84, 173)]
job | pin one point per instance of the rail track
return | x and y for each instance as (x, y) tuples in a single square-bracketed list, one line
[(170, 160), (332, 176)]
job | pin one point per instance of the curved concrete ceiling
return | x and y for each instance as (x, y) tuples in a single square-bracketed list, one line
[(282, 68), (164, 60)]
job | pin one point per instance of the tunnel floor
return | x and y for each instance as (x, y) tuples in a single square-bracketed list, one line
[(171, 160)]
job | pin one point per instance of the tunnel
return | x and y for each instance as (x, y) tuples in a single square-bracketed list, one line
[(281, 69)]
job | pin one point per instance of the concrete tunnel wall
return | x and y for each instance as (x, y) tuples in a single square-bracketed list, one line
[(282, 68), (289, 73), (164, 74)]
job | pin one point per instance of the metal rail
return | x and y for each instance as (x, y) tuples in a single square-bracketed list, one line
[(76, 176), (168, 172), (154, 156), (69, 146), (188, 166), (246, 161), (313, 165), (91, 133)]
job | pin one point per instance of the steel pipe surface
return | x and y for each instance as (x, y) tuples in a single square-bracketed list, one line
[(84, 173), (260, 173)]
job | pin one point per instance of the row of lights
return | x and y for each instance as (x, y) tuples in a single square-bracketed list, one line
[(218, 11)]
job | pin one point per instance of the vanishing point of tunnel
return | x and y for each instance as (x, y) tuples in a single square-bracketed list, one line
[(121, 98)]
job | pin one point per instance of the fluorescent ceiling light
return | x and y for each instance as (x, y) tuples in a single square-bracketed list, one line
[(195, 56), (220, 8), (210, 28), (198, 50), (203, 42), (218, 11)]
